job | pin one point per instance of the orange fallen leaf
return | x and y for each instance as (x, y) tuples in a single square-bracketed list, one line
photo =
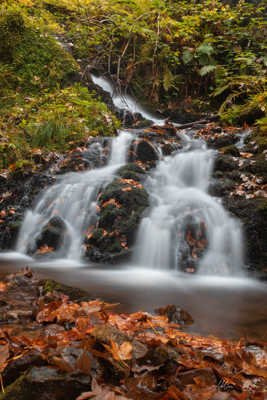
[(120, 353), (45, 249), (3, 286)]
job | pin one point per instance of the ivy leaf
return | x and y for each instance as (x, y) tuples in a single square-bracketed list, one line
[(205, 49), (206, 69), (187, 56)]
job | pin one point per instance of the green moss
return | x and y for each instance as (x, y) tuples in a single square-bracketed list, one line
[(60, 121), (36, 112), (12, 391), (261, 205), (51, 285), (232, 150), (12, 29)]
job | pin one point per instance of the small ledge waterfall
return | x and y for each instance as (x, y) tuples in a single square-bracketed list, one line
[(125, 101), (184, 220), (74, 200), (184, 229)]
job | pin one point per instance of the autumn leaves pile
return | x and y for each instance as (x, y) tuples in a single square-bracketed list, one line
[(124, 356)]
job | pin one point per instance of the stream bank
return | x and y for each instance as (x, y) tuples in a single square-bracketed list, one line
[(239, 180), (56, 342)]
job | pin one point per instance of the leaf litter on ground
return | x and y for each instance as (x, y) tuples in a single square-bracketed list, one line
[(126, 356)]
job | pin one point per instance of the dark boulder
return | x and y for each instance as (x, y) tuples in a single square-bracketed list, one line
[(52, 234), (132, 120), (17, 195), (253, 215), (192, 244), (222, 140), (231, 150), (131, 171), (225, 163), (258, 166), (145, 151), (221, 186), (121, 205), (175, 314), (43, 383)]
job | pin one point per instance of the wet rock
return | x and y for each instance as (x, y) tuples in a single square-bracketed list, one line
[(225, 163), (175, 314), (231, 150), (18, 366), (221, 187), (121, 205), (92, 155), (131, 171), (17, 195), (168, 148), (46, 383), (253, 214), (146, 152), (131, 120), (193, 244), (52, 234), (222, 140), (182, 115), (205, 375), (258, 166), (163, 354), (106, 334)]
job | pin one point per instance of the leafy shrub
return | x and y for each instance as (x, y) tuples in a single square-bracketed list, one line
[(66, 117), (12, 29)]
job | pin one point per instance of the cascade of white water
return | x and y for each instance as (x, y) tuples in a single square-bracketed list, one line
[(73, 199), (125, 101), (178, 189)]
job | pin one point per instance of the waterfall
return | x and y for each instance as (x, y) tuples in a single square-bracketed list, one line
[(125, 101), (73, 199), (184, 229), (185, 222)]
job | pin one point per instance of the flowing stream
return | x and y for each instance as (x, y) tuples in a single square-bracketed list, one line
[(181, 208), (74, 200), (185, 224), (181, 212)]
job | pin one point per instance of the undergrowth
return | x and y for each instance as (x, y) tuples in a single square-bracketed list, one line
[(41, 108), (180, 55)]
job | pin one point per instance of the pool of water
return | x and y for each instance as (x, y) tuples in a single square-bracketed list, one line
[(230, 308)]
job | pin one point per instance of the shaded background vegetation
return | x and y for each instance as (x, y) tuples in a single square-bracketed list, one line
[(178, 56)]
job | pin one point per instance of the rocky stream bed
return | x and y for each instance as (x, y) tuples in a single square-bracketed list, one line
[(57, 343), (239, 179)]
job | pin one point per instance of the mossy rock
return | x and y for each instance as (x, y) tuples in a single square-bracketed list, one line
[(133, 199), (121, 204), (253, 215), (131, 171), (225, 163), (52, 235), (75, 294), (42, 383), (231, 150)]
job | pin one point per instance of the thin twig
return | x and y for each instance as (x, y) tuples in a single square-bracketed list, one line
[(2, 383)]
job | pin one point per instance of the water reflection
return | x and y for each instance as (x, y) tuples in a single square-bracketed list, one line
[(226, 307)]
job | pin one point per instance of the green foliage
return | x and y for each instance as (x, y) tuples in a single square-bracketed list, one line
[(12, 28), (57, 121), (50, 286), (172, 47), (206, 53), (39, 109), (68, 117)]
